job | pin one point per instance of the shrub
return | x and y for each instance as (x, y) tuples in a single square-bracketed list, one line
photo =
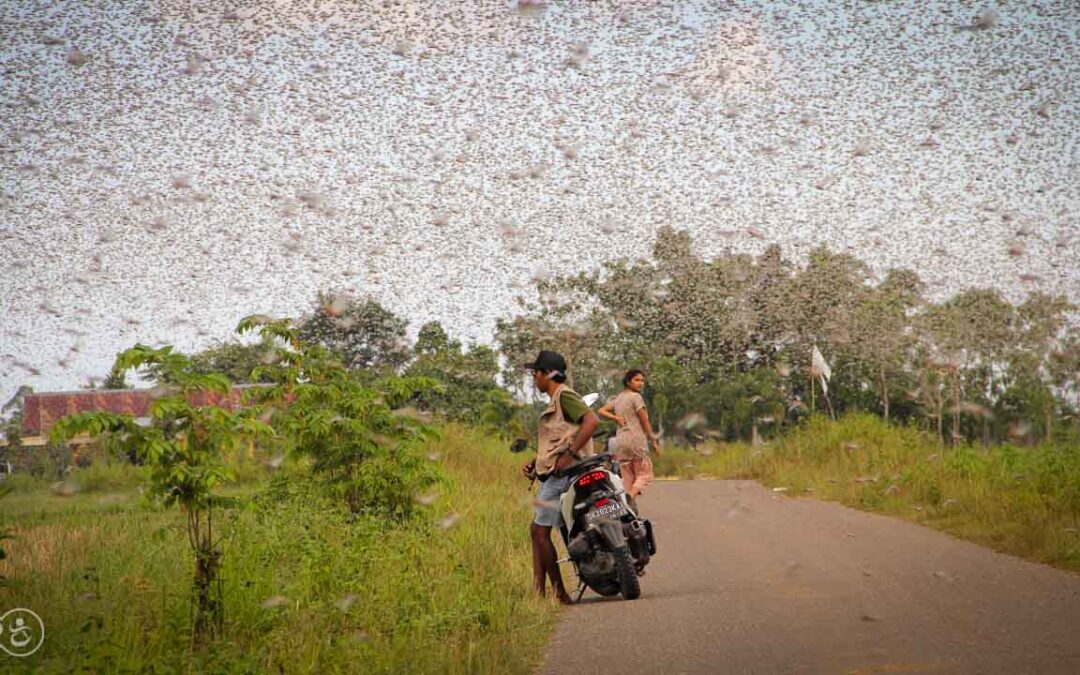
[(367, 451)]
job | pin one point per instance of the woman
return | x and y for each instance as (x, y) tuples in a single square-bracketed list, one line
[(633, 434)]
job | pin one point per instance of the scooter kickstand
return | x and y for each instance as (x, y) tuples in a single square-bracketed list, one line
[(580, 592)]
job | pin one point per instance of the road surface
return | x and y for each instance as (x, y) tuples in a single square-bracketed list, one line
[(749, 581)]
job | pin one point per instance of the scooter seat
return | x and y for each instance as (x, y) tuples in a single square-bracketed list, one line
[(584, 465)]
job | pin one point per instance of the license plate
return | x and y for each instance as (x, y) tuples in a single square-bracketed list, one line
[(613, 510)]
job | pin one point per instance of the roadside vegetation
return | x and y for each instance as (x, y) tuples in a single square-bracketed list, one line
[(1023, 500), (308, 585), (727, 344), (320, 522)]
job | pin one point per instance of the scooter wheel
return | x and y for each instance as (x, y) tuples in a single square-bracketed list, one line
[(628, 577)]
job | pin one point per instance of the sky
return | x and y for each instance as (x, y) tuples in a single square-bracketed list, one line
[(167, 168)]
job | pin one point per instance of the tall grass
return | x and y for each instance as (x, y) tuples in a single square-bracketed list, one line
[(1020, 500), (307, 586)]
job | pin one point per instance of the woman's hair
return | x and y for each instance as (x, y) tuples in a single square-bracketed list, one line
[(631, 374)]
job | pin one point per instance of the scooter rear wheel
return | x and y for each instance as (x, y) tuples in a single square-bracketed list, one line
[(628, 578)]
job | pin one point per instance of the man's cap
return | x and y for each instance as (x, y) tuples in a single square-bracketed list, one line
[(548, 361)]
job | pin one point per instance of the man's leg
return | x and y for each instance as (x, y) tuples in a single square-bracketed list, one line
[(539, 578), (544, 553)]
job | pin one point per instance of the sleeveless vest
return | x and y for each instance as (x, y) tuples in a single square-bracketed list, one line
[(556, 434)]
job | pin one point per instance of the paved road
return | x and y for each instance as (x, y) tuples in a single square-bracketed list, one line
[(747, 581)]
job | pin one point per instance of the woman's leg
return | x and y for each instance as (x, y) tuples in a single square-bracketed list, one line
[(643, 474), (629, 476)]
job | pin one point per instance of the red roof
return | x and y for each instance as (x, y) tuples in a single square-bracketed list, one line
[(41, 411)]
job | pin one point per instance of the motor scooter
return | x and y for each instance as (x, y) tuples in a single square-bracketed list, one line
[(608, 544)]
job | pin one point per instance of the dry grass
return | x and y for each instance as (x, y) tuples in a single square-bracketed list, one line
[(1020, 500)]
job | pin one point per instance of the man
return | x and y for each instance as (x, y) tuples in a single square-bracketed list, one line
[(565, 436)]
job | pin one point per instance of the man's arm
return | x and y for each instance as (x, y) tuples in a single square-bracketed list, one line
[(584, 435)]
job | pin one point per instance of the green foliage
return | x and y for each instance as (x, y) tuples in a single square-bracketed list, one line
[(106, 476), (467, 378), (310, 586), (728, 340), (347, 428), (1023, 500), (503, 415), (115, 380), (235, 360), (183, 447), (360, 332)]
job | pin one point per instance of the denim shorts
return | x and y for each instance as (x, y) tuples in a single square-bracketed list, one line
[(547, 507)]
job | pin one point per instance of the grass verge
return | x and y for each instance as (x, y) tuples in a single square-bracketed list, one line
[(1019, 500), (307, 587)]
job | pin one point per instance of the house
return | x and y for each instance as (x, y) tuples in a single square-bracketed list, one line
[(42, 410)]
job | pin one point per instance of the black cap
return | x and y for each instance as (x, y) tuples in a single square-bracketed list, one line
[(548, 361)]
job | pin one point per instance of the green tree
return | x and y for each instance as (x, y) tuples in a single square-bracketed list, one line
[(966, 338), (235, 360), (116, 379), (719, 325), (736, 405), (12, 425), (467, 376), (502, 414), (183, 445), (361, 332), (1040, 333), (883, 327)]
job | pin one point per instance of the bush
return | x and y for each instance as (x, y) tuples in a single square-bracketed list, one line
[(24, 482), (345, 426), (105, 476)]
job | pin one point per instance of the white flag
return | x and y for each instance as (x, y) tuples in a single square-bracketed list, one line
[(818, 368)]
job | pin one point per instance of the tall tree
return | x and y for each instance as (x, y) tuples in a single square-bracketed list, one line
[(235, 360), (363, 333), (466, 376), (882, 324), (969, 337)]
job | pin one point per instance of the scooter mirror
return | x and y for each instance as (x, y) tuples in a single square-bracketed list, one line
[(519, 445)]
